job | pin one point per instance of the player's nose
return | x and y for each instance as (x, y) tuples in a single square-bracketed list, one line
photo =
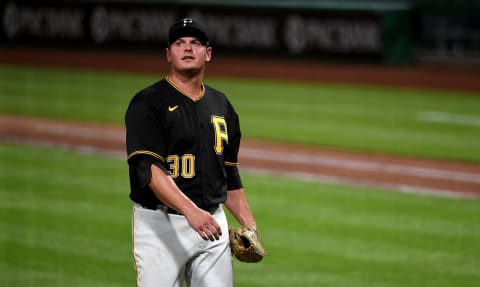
[(188, 47)]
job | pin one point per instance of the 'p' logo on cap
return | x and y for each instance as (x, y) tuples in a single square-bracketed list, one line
[(187, 21)]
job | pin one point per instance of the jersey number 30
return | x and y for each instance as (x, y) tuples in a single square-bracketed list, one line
[(186, 163)]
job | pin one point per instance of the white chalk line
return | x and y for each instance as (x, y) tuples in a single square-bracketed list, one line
[(449, 118), (344, 180), (324, 161)]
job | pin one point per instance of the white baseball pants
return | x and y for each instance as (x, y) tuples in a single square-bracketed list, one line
[(167, 251)]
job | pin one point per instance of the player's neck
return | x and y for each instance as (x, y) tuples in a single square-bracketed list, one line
[(190, 86)]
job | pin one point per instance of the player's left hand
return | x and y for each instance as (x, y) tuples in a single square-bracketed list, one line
[(204, 224), (245, 244)]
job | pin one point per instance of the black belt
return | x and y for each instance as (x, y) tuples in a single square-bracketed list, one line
[(169, 210)]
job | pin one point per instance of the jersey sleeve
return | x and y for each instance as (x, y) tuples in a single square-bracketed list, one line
[(231, 153), (144, 133)]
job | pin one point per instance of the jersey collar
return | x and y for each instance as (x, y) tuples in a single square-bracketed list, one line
[(202, 92)]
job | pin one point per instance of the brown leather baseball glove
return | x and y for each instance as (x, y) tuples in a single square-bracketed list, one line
[(245, 244)]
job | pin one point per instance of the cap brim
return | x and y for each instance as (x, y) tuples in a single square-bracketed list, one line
[(187, 31)]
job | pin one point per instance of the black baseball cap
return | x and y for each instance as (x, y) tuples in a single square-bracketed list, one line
[(187, 27)]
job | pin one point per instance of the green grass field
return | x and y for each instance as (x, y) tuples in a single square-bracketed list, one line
[(65, 216), (67, 223)]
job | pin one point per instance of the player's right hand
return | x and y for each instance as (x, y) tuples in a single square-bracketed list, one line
[(204, 224)]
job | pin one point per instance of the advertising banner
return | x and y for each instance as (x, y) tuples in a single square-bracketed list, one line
[(254, 31)]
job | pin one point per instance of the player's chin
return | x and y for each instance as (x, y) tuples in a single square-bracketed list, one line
[(189, 63), (190, 68)]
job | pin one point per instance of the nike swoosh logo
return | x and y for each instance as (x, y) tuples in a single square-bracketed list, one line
[(171, 109)]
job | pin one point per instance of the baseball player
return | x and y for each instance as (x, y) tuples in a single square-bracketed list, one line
[(182, 140)]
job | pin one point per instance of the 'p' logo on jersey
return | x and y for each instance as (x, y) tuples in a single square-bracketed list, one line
[(221, 133)]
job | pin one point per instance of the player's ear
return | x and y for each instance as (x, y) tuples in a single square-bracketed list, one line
[(167, 55), (208, 54)]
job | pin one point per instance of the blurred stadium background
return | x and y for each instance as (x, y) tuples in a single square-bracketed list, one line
[(385, 31), (65, 215)]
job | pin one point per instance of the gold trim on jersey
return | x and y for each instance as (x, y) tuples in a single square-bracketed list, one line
[(147, 153), (133, 248), (230, 163), (202, 92)]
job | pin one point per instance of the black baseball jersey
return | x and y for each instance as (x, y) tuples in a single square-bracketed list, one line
[(195, 141)]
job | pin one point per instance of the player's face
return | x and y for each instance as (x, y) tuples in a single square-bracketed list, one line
[(188, 53)]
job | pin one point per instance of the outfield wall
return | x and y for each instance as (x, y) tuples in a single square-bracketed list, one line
[(389, 32)]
